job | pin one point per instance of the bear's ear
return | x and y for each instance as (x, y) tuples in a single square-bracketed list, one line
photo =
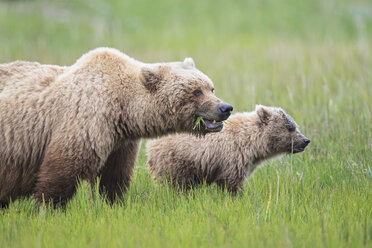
[(189, 62), (283, 114), (151, 77), (263, 113)]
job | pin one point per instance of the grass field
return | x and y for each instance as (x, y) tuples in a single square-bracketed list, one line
[(313, 58)]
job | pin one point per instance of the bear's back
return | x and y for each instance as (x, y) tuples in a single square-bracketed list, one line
[(24, 130), (22, 76)]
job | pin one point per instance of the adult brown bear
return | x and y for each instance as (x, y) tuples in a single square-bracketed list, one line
[(58, 124)]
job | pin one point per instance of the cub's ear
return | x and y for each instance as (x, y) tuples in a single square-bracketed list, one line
[(151, 77), (189, 62), (283, 113), (263, 113)]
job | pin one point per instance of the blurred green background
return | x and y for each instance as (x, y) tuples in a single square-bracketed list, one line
[(247, 47), (313, 58)]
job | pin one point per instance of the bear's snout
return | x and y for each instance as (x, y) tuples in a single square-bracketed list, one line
[(306, 141), (225, 110), (300, 145)]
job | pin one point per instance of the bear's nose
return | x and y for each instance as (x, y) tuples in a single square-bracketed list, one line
[(307, 141), (226, 108)]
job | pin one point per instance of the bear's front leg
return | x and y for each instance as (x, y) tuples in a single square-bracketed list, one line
[(232, 186), (118, 169), (4, 204), (65, 162)]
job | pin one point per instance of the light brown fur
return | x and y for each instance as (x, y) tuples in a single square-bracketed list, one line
[(228, 157), (58, 124)]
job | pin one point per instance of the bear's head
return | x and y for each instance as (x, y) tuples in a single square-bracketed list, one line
[(280, 130), (184, 96)]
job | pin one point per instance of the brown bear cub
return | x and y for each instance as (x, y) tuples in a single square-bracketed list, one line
[(59, 124), (228, 157)]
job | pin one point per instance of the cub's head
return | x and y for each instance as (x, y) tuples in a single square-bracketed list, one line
[(184, 95), (280, 130)]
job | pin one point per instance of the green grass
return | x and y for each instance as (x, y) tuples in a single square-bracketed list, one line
[(198, 123), (313, 58)]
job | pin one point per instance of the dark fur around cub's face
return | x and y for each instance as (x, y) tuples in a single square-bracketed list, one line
[(282, 132), (186, 94)]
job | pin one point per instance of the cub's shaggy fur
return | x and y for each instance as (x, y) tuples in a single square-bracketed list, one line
[(58, 124), (228, 157)]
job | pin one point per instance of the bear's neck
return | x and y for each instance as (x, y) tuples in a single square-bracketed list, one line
[(254, 143), (142, 117)]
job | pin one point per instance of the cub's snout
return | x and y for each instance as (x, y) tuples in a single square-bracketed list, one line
[(300, 146)]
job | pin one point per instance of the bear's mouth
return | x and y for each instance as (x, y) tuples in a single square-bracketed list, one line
[(206, 124), (213, 125), (298, 149)]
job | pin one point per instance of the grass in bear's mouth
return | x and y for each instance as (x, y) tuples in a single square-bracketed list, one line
[(197, 123), (200, 120)]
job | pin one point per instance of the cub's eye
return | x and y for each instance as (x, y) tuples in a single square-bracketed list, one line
[(198, 93), (291, 129), (213, 90)]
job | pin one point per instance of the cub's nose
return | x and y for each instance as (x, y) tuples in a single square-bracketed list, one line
[(226, 108), (306, 141)]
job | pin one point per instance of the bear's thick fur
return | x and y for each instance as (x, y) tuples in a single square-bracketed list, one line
[(228, 157), (58, 124)]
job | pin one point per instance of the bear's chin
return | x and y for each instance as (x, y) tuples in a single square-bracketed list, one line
[(297, 150), (213, 126), (207, 126)]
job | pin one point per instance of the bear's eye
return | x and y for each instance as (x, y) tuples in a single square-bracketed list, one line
[(213, 90), (291, 129), (198, 93)]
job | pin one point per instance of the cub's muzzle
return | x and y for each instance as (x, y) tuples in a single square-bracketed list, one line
[(301, 147)]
